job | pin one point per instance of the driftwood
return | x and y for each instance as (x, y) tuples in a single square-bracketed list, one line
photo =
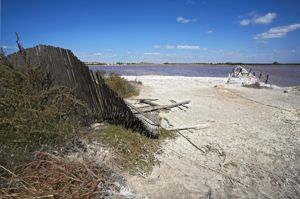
[(173, 101), (192, 143), (142, 99), (163, 107), (149, 102), (196, 127), (167, 121), (138, 111), (149, 124)]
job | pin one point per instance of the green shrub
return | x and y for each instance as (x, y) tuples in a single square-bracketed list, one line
[(121, 86), (134, 152)]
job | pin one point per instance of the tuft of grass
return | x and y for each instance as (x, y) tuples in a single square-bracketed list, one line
[(135, 153), (121, 86)]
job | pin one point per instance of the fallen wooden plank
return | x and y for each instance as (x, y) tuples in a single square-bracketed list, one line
[(196, 127), (161, 107), (167, 121), (141, 107), (138, 111), (140, 99), (144, 101), (173, 101)]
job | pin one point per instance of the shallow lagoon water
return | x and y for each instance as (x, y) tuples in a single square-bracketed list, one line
[(280, 75)]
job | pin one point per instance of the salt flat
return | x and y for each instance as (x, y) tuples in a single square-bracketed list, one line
[(251, 148)]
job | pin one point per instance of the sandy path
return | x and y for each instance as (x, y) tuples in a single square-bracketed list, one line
[(252, 147)]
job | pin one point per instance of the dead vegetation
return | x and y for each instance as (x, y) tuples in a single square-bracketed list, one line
[(37, 116), (49, 176), (34, 114), (134, 153), (38, 119)]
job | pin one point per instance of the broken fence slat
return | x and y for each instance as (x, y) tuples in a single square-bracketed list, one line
[(141, 113), (196, 127), (156, 108), (140, 99), (173, 101), (144, 101)]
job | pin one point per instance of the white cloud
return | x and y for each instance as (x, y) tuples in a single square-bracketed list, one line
[(258, 19), (209, 31), (277, 32), (157, 46), (189, 47), (266, 19), (245, 22), (9, 47), (183, 20), (181, 47), (152, 53), (169, 46), (95, 56)]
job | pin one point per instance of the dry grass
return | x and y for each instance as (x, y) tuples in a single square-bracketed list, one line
[(37, 116), (49, 176), (34, 113), (134, 152)]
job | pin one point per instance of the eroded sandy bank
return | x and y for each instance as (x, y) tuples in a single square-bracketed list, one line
[(251, 148)]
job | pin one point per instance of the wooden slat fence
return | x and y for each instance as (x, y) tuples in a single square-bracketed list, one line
[(67, 70)]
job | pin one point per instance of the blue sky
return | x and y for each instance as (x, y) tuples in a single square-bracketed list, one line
[(158, 30)]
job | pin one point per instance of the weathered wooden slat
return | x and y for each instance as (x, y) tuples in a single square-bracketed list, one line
[(67, 70), (160, 107)]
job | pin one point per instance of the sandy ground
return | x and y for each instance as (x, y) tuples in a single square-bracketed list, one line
[(251, 148)]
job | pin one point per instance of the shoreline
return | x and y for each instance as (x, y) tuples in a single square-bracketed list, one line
[(279, 75), (200, 79), (194, 64), (172, 77)]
